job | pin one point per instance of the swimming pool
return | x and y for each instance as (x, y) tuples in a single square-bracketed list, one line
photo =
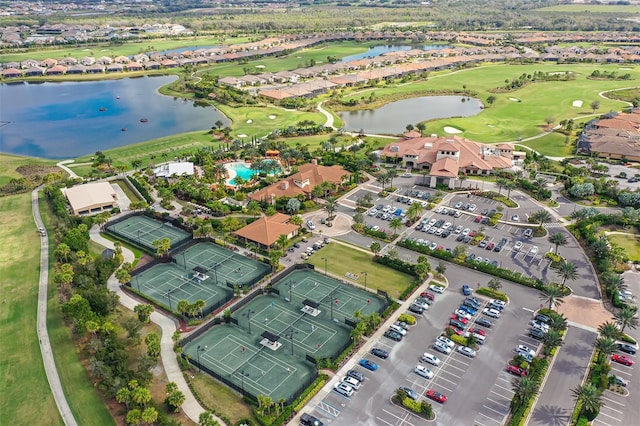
[(243, 170)]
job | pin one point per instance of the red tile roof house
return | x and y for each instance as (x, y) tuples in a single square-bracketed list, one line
[(446, 158), (11, 73), (301, 183), (265, 231)]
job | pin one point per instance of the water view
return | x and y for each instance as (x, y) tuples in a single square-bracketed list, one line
[(69, 119), (379, 50), (393, 117)]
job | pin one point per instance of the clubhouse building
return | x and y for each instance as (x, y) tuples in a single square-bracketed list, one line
[(446, 158)]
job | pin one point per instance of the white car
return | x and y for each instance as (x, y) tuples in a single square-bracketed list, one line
[(343, 389), (466, 351), (372, 212), (398, 329), (446, 341), (479, 337), (464, 314), (466, 231), (376, 228), (534, 250), (439, 209), (441, 347), (493, 313), (458, 229), (430, 358), (497, 302), (432, 222), (310, 225), (515, 218), (525, 351), (350, 381), (446, 226), (436, 288), (517, 246), (539, 325), (472, 208), (423, 372), (433, 245)]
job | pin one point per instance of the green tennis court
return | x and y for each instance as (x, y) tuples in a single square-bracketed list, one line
[(144, 230), (224, 266), (238, 359), (332, 295)]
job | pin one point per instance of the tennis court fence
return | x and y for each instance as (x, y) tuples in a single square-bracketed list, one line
[(109, 229)]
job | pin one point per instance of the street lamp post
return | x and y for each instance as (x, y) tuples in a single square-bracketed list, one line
[(138, 283), (215, 272), (198, 350), (248, 315), (169, 297), (325, 265), (184, 259), (290, 284), (365, 279), (290, 335)]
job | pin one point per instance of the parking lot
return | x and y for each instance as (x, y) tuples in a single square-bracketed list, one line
[(478, 389)]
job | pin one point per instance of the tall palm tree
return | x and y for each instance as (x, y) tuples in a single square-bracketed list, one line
[(567, 271), (613, 283), (605, 347), (609, 330), (501, 183), (395, 224), (414, 211), (551, 339), (626, 317), (558, 322), (558, 239), (541, 216), (282, 242), (539, 184), (524, 389), (553, 295), (391, 174), (331, 207), (510, 185), (589, 397), (383, 179)]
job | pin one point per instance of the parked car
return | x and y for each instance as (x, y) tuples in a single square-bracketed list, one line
[(463, 314), (356, 375), (310, 225), (498, 302), (369, 365), (398, 329), (622, 359), (446, 341), (625, 347), (436, 396), (309, 420), (515, 218), (423, 372), (416, 309), (517, 246), (430, 359), (468, 309), (490, 312), (518, 371), (410, 392), (536, 333), (350, 381), (466, 290), (527, 233), (393, 335), (343, 389), (436, 288), (456, 323), (466, 351), (427, 295), (617, 380), (473, 302), (441, 347), (380, 353), (484, 322)]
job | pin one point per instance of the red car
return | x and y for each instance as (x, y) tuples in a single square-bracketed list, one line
[(473, 234), (514, 369), (477, 331), (456, 330), (621, 359), (427, 295), (436, 396), (477, 219), (459, 318)]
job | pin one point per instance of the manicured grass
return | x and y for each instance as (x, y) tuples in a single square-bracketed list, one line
[(630, 243), (26, 396), (379, 276), (83, 397), (9, 164), (221, 398), (552, 145), (591, 8), (127, 191)]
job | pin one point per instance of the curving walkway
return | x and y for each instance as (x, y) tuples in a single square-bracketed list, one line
[(191, 406), (43, 335), (329, 122), (72, 174)]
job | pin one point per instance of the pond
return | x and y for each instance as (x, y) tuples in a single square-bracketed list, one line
[(69, 119), (379, 50), (393, 117)]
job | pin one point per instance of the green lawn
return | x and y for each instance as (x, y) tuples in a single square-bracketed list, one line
[(26, 396), (591, 8), (630, 243), (379, 276), (221, 398), (553, 145)]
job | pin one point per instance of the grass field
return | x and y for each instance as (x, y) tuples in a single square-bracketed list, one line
[(9, 164), (630, 243), (26, 397), (379, 276), (221, 398), (591, 8)]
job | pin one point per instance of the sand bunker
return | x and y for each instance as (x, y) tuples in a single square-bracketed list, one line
[(514, 99), (242, 136), (272, 117), (249, 121), (577, 104), (452, 130)]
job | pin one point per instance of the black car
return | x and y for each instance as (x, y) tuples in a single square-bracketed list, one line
[(390, 334), (460, 237), (296, 245), (491, 212), (457, 323), (536, 333), (309, 420), (416, 309), (484, 220), (472, 303), (484, 322), (356, 375), (484, 212), (380, 353), (627, 348)]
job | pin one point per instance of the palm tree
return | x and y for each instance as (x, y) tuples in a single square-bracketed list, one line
[(626, 317), (283, 242), (395, 224), (375, 248), (331, 207), (553, 295), (501, 183), (509, 185), (391, 174), (524, 389), (589, 397), (613, 283), (558, 322), (383, 179), (609, 330), (414, 211), (539, 184), (541, 216), (567, 271), (551, 339), (559, 239), (605, 347)]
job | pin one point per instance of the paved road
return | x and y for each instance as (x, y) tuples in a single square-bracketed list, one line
[(43, 334), (555, 404), (191, 407)]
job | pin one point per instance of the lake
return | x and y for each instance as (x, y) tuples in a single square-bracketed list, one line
[(379, 50), (393, 117), (64, 120)]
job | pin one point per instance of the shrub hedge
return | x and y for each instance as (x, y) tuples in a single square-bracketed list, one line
[(494, 294), (141, 189)]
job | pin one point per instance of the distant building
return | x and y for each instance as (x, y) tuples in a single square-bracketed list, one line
[(447, 157), (301, 183), (91, 198), (265, 231), (184, 168), (615, 137)]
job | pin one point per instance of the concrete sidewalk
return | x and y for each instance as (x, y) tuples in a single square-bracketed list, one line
[(191, 406), (364, 349)]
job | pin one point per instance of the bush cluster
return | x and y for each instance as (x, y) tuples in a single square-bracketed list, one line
[(494, 294)]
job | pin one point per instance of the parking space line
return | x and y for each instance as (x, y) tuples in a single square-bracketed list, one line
[(446, 380), (499, 394), (503, 379), (498, 402), (599, 421), (502, 387), (490, 418), (615, 402), (383, 420), (611, 417), (613, 409), (495, 411), (451, 374), (622, 372), (456, 368)]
